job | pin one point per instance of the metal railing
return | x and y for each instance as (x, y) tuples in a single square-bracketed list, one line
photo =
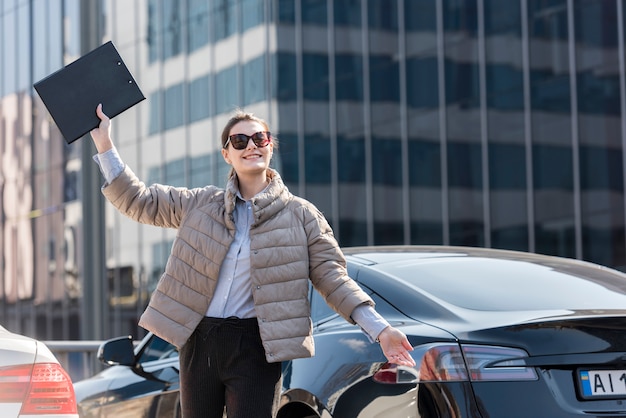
[(79, 358)]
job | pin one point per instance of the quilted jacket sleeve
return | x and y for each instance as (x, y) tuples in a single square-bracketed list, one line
[(157, 205), (327, 267)]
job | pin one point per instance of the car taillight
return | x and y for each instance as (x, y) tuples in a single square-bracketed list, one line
[(43, 388), (454, 363)]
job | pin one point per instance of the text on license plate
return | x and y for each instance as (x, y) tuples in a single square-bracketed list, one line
[(598, 383)]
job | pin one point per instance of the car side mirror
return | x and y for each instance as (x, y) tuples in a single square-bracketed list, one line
[(117, 351)]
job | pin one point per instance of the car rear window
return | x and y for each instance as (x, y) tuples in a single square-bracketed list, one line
[(509, 285)]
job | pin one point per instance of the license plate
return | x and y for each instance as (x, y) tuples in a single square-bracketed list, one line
[(602, 383)]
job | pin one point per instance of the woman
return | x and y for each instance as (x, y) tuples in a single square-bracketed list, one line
[(234, 294)]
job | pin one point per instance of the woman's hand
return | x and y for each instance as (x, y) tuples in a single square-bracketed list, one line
[(101, 135), (396, 347)]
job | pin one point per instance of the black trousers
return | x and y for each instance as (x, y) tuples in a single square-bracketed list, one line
[(223, 365)]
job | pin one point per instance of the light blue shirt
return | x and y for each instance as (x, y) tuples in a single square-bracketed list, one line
[(232, 295)]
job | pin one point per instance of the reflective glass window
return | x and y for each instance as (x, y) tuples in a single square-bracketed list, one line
[(197, 24), (465, 195), (199, 99), (422, 94), (8, 76), (253, 13), (284, 76), (425, 163), (551, 128), (420, 15), (422, 87), (347, 13), (200, 170), (463, 127), (154, 29), (548, 19), (351, 168), (254, 76), (175, 172), (226, 90), (382, 14), (502, 18), (315, 76), (288, 151), (460, 16), (351, 151), (317, 162), (23, 41), (285, 11), (507, 167), (349, 77), (172, 28), (387, 197), (599, 115), (224, 18), (314, 12), (506, 125), (554, 201), (384, 79), (155, 124), (174, 106)]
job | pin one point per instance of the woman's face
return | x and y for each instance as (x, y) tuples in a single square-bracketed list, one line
[(251, 159)]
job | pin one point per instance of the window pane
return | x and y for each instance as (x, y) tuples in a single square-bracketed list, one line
[(284, 76), (349, 77), (200, 171), (285, 11), (226, 91), (422, 76), (314, 12), (199, 103), (601, 151), (384, 79), (552, 173), (252, 13), (155, 30), (420, 15), (172, 30), (382, 14), (174, 106), (254, 81), (224, 18), (198, 24), (315, 74), (155, 125), (347, 13)]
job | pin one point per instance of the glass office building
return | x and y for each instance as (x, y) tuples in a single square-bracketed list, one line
[(492, 123)]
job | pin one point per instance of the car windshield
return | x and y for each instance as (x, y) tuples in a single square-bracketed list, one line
[(510, 285)]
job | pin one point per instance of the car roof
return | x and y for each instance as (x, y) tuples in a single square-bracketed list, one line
[(383, 254)]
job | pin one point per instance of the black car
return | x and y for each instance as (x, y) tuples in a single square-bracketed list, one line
[(495, 333)]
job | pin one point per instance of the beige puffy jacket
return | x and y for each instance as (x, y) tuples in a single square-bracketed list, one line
[(290, 244)]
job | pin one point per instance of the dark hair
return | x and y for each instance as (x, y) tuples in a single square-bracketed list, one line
[(241, 116)]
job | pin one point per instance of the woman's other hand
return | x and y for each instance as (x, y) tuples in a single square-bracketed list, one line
[(396, 347)]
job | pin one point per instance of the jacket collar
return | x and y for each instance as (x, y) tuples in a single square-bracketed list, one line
[(266, 203)]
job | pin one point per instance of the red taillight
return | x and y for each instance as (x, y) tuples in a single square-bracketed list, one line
[(14, 383), (44, 388), (454, 363)]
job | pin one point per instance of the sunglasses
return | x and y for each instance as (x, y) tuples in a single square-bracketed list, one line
[(240, 141)]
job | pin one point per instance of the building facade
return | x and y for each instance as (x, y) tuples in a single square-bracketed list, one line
[(492, 123)]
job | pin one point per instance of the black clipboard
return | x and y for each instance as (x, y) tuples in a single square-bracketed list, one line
[(72, 94)]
